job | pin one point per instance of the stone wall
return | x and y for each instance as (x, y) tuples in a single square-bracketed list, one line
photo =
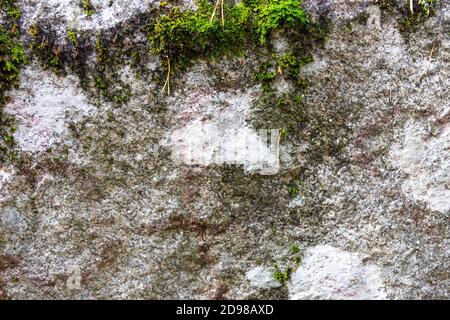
[(97, 204)]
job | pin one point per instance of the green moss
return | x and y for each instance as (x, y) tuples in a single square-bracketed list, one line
[(121, 96), (265, 77), (298, 99), (180, 37), (410, 17), (12, 57), (100, 83), (419, 7), (295, 249), (87, 7), (13, 13), (106, 80), (276, 14), (282, 276), (427, 6), (44, 46), (134, 59), (72, 35), (293, 189), (283, 134), (290, 65), (10, 8), (185, 35)]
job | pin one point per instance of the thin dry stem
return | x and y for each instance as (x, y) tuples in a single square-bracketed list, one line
[(167, 84)]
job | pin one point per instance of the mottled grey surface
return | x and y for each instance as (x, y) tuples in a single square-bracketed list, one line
[(96, 186)]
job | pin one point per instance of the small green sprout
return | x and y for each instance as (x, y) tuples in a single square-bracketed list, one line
[(72, 37)]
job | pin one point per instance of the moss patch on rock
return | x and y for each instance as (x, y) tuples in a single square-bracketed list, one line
[(218, 30), (12, 57)]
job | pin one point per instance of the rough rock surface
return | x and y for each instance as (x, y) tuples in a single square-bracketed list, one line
[(97, 186)]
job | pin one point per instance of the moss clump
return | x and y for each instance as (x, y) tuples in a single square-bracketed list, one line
[(265, 76), (106, 80), (295, 249), (72, 35), (427, 6), (420, 10), (287, 66), (10, 8), (87, 7), (290, 65), (276, 14), (44, 46), (12, 57), (282, 276), (183, 36), (284, 110), (411, 16), (293, 189)]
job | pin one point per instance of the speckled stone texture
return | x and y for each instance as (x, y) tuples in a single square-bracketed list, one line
[(96, 188)]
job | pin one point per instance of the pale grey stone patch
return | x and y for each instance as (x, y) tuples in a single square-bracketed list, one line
[(262, 277), (69, 14), (374, 20), (280, 44), (426, 161), (314, 67), (6, 174), (74, 279), (13, 220), (327, 272), (337, 10), (296, 202), (69, 11), (43, 105), (216, 133)]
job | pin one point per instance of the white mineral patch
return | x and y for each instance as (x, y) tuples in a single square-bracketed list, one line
[(216, 133), (106, 13), (5, 177), (42, 106), (314, 67), (262, 277), (426, 160), (331, 273), (296, 202)]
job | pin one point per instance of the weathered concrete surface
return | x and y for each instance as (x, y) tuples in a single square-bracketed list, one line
[(95, 185)]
